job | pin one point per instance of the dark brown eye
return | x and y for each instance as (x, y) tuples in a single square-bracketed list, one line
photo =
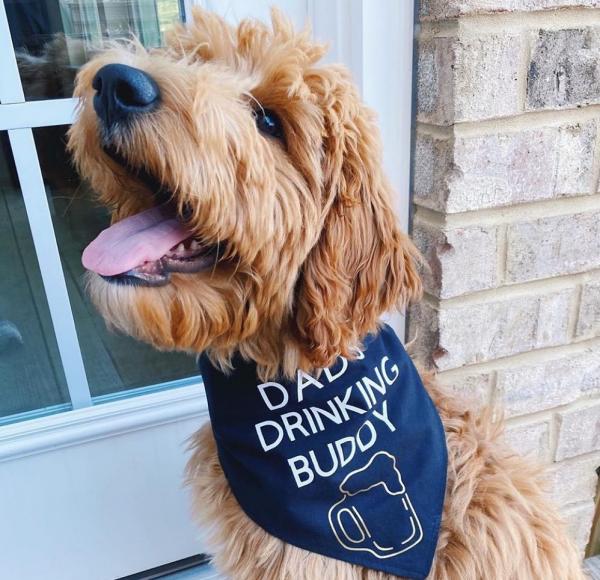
[(269, 123)]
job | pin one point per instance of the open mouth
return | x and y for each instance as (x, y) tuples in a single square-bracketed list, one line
[(146, 248)]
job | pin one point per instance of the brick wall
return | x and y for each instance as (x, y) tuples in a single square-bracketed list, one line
[(507, 212)]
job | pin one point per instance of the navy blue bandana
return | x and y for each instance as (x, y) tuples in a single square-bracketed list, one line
[(350, 464)]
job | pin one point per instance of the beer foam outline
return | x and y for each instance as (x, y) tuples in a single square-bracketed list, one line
[(407, 544)]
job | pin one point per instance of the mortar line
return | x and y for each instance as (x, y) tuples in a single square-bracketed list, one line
[(437, 28), (541, 416), (528, 288), (555, 422), (523, 70), (511, 22), (539, 287), (527, 120), (493, 394), (431, 301), (550, 414), (596, 161), (429, 216), (572, 17), (574, 310), (571, 507), (518, 213), (502, 254), (587, 456), (444, 132), (528, 358)]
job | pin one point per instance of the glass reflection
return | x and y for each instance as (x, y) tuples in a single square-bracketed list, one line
[(53, 38), (31, 375)]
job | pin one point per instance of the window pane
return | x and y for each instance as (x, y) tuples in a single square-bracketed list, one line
[(53, 38), (113, 362), (31, 375)]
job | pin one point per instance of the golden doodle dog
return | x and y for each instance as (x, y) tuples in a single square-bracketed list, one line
[(252, 223)]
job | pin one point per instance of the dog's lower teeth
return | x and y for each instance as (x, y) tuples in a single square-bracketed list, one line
[(185, 247)]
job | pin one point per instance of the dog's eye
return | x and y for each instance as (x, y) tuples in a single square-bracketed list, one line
[(269, 123)]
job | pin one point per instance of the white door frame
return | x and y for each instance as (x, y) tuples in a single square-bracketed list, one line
[(375, 39)]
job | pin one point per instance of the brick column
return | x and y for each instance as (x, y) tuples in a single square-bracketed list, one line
[(507, 212)]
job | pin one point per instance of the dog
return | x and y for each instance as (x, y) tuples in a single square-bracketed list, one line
[(253, 224)]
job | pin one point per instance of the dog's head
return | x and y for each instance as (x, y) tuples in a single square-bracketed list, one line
[(267, 224)]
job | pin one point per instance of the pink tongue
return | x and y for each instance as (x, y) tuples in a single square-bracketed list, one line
[(143, 237)]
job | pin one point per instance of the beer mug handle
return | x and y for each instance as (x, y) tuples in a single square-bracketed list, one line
[(349, 526)]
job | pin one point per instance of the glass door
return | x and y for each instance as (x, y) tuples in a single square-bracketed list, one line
[(76, 355), (93, 424)]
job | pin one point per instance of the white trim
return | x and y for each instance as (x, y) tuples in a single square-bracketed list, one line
[(387, 38), (337, 23), (46, 248), (387, 75), (187, 9), (108, 420), (37, 114)]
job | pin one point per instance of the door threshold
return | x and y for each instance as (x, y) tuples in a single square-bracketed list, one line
[(193, 568)]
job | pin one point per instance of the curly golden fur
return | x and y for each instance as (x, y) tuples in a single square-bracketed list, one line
[(311, 257)]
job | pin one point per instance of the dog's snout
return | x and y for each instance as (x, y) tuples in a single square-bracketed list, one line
[(123, 92)]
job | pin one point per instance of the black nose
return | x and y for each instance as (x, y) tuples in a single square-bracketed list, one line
[(123, 92)]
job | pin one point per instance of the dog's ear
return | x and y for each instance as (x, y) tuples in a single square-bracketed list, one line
[(362, 265)]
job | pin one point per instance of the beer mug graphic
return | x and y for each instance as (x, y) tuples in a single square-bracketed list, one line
[(375, 513)]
